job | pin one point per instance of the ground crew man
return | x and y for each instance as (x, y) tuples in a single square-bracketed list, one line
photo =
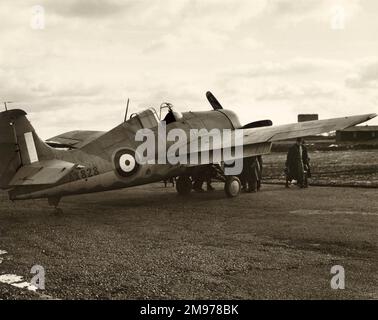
[(296, 162), (202, 176), (260, 171), (306, 163), (250, 174), (170, 180)]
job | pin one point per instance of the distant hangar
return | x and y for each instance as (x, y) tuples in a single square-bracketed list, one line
[(357, 133)]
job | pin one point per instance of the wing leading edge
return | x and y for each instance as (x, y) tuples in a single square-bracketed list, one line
[(257, 141), (302, 129)]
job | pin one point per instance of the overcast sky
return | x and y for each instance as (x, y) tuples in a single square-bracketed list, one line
[(261, 58)]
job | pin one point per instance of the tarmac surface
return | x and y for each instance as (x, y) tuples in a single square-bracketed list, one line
[(149, 243)]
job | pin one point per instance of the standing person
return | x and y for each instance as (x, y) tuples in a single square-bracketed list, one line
[(294, 164), (170, 180), (250, 175), (260, 172), (197, 183), (253, 181), (306, 163), (205, 175), (243, 181), (210, 174), (243, 175)]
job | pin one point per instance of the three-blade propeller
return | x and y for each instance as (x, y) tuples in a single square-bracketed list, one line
[(213, 101), (258, 124), (255, 124)]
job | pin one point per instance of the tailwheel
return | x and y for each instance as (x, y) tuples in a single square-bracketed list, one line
[(54, 202), (232, 186), (184, 185), (58, 211)]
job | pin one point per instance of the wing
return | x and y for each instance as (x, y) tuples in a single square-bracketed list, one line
[(257, 141), (302, 129), (74, 139)]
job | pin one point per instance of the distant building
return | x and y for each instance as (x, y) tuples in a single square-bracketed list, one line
[(308, 117), (357, 133)]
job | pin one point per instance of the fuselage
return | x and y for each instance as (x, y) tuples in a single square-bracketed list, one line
[(97, 164)]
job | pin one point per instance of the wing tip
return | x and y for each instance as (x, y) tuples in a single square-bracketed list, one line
[(362, 117)]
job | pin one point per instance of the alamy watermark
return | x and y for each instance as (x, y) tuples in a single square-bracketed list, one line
[(37, 21), (193, 147), (38, 280), (338, 17), (338, 280)]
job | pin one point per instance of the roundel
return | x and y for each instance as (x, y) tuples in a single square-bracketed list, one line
[(125, 162)]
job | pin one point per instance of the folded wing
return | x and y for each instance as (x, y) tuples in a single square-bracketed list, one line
[(74, 139)]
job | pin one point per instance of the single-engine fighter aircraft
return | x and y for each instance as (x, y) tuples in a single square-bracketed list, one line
[(82, 162)]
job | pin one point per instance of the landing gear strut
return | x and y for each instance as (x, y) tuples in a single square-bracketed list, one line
[(184, 185), (232, 184)]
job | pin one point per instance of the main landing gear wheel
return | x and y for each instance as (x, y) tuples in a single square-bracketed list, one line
[(184, 185), (232, 186)]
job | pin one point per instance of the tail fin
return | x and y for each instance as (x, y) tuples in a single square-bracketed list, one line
[(19, 145)]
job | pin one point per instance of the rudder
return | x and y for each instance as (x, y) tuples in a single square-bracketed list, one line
[(19, 145)]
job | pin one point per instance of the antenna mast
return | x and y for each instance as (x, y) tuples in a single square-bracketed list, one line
[(5, 104), (127, 109)]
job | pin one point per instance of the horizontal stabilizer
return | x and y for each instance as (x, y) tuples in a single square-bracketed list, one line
[(42, 173)]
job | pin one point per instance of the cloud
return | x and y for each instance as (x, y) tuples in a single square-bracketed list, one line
[(294, 12), (291, 67), (76, 90), (291, 92), (120, 13), (92, 55), (289, 7), (189, 41), (205, 25), (365, 75), (88, 8)]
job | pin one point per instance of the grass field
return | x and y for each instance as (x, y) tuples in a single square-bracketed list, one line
[(355, 167), (147, 242)]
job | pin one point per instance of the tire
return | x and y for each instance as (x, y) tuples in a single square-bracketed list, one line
[(183, 185), (305, 183), (232, 187)]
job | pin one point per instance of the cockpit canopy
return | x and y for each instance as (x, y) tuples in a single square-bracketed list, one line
[(172, 115), (149, 118)]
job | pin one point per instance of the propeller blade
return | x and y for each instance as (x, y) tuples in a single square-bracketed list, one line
[(213, 101), (258, 124)]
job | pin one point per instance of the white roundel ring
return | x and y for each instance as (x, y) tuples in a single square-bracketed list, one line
[(125, 163)]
